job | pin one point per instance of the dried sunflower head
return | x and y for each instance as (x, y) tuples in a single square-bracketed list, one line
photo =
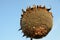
[(36, 22)]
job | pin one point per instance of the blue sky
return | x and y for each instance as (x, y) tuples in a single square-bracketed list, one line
[(10, 14)]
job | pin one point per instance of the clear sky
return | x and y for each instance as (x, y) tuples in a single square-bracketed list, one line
[(10, 14)]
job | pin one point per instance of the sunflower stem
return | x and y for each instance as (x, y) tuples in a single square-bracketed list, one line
[(31, 38)]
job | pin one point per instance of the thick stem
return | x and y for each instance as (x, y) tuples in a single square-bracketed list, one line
[(31, 38)]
